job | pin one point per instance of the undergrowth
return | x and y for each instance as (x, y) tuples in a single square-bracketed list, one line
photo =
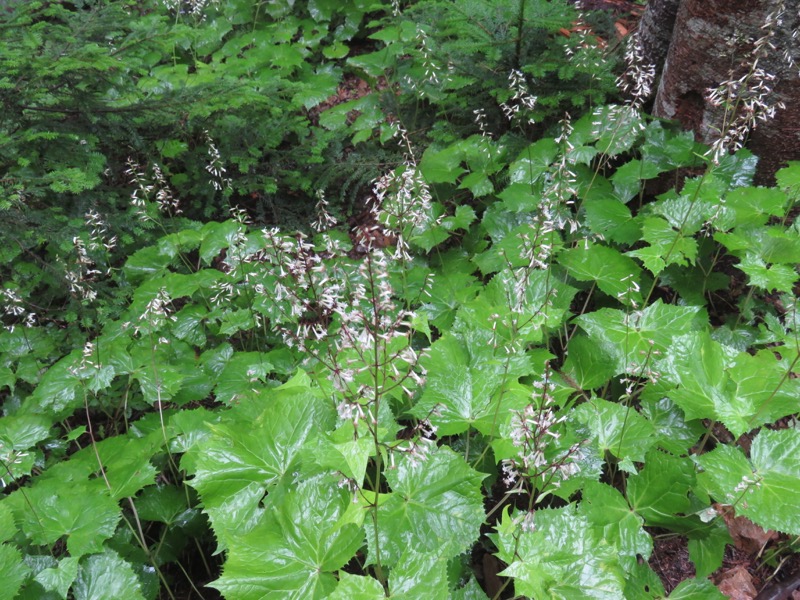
[(520, 351)]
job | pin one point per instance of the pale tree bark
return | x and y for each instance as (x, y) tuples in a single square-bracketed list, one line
[(714, 41)]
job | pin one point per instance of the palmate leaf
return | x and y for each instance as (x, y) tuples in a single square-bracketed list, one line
[(241, 374), (13, 569), (643, 584), (459, 389), (450, 289), (630, 339), (675, 433), (586, 365), (59, 579), (126, 461), (707, 547), (162, 503), (738, 389), (7, 527), (419, 575), (256, 445), (616, 429), (357, 587), (564, 557), (661, 489), (754, 206), (628, 178), (615, 274), (106, 576), (607, 511), (20, 432), (52, 509), (768, 277), (435, 507), (294, 549), (609, 217), (765, 489), (667, 246)]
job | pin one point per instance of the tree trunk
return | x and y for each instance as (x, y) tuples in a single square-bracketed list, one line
[(714, 41), (655, 30)]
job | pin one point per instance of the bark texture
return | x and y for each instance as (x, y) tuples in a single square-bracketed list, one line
[(713, 41), (655, 30)]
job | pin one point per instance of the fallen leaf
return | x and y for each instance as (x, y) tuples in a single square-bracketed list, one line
[(747, 536), (737, 584)]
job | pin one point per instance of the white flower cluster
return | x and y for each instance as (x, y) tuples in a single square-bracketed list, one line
[(215, 166), (14, 307), (194, 8), (156, 314), (79, 280), (532, 431), (9, 457), (520, 99), (146, 189), (637, 80), (403, 204), (324, 220), (749, 99), (98, 232)]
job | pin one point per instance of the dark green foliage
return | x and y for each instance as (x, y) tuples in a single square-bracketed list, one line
[(516, 351)]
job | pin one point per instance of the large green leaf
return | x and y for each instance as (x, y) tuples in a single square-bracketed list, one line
[(661, 490), (768, 277), (56, 393), (586, 365), (162, 503), (707, 547), (532, 163), (7, 527), (632, 340), (420, 575), (667, 246), (294, 549), (59, 579), (461, 386), (628, 178), (608, 512), (126, 462), (14, 571), (436, 506), (765, 489), (106, 576), (241, 374), (52, 508), (561, 556), (740, 390), (21, 432), (449, 290), (609, 217), (616, 429), (254, 446), (615, 274), (755, 205), (675, 433), (357, 587)]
